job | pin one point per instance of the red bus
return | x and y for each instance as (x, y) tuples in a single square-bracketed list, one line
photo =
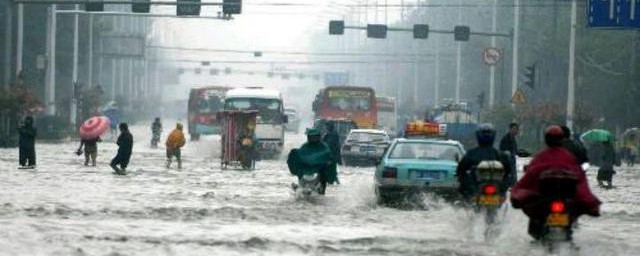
[(347, 102), (204, 104)]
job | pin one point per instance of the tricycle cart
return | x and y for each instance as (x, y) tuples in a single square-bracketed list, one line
[(238, 139)]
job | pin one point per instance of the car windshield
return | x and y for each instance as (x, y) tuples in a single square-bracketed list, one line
[(268, 109), (367, 137), (356, 100), (421, 150)]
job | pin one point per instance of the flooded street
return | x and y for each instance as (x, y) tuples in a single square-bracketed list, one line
[(64, 208)]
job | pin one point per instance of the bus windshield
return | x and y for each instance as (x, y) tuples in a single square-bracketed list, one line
[(269, 110), (355, 100)]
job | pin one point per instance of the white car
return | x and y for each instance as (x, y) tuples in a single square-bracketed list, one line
[(364, 147)]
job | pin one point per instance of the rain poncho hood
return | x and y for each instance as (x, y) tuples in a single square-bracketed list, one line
[(310, 158)]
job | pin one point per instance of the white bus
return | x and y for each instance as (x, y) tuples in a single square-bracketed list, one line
[(271, 120), (387, 114)]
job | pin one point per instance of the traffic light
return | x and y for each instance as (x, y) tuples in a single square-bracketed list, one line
[(530, 74), (336, 27), (231, 7), (141, 6), (461, 33), (420, 31), (376, 31), (185, 8), (94, 6)]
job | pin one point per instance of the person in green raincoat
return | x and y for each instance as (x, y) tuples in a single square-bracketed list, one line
[(312, 156)]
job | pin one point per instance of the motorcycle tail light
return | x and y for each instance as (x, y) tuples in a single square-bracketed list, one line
[(557, 207), (489, 189), (390, 173)]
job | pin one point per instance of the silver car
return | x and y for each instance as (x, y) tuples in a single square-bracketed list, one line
[(364, 147)]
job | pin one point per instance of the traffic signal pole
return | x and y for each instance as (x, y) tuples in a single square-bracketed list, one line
[(458, 60)]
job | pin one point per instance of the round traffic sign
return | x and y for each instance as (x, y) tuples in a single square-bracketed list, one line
[(491, 56)]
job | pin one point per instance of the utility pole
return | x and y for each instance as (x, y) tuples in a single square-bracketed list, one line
[(436, 84), (74, 81), (514, 61), (90, 62), (572, 60), (492, 68), (50, 88), (8, 42), (20, 39)]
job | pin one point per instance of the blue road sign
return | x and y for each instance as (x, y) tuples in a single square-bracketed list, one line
[(602, 13), (629, 13), (613, 13)]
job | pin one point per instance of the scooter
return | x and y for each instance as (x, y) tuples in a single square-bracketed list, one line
[(155, 138), (310, 183), (556, 224), (490, 176)]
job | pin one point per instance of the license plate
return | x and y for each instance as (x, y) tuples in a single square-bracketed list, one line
[(489, 200), (429, 175), (355, 149), (367, 149), (558, 220)]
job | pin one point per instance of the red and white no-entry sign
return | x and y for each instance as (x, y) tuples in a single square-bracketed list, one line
[(491, 56)]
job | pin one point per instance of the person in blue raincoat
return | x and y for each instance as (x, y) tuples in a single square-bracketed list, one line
[(114, 114), (316, 155)]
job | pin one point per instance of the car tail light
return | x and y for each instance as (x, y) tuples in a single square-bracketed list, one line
[(557, 207), (489, 189), (390, 173)]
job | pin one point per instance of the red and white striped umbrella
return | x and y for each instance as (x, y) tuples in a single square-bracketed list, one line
[(94, 127)]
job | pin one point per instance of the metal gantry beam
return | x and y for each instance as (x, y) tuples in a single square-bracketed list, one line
[(116, 2)]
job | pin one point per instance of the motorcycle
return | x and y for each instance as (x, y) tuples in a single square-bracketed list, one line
[(490, 197), (155, 138), (310, 183), (558, 189)]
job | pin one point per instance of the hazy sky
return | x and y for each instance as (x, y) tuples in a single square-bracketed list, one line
[(263, 27)]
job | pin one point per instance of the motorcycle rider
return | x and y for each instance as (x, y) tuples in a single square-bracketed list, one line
[(332, 139), (156, 130), (528, 192), (575, 147), (485, 135), (509, 144), (313, 154)]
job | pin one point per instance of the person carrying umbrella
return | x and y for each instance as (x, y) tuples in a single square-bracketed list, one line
[(90, 150), (604, 156), (174, 142), (90, 132)]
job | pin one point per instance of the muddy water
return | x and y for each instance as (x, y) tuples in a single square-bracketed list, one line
[(64, 208)]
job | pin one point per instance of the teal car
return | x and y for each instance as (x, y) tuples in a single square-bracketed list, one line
[(416, 165)]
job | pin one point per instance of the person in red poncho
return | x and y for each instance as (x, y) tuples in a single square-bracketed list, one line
[(555, 162)]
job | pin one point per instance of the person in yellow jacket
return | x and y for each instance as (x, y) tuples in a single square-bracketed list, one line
[(175, 141)]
